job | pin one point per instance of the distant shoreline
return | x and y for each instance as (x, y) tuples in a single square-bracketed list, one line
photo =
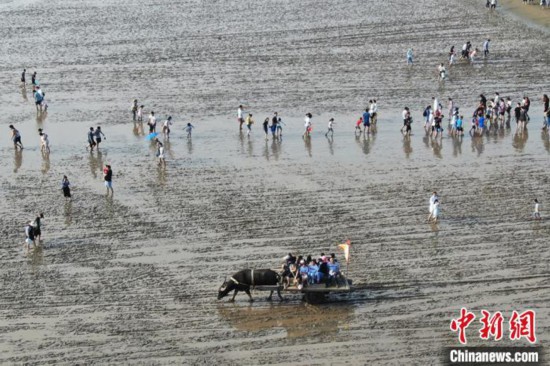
[(531, 13)]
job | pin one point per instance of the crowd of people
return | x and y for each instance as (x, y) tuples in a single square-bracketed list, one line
[(303, 271), (367, 120), (494, 113), (276, 127), (38, 93), (468, 53), (488, 114), (94, 138), (542, 3)]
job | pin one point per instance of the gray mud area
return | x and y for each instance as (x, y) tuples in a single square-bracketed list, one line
[(133, 279)]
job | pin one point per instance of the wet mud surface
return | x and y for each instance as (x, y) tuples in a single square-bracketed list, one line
[(134, 278)]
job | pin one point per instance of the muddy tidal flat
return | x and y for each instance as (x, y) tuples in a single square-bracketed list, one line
[(133, 278)]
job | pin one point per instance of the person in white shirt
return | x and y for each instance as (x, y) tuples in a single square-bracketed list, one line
[(442, 72), (166, 128), (509, 108), (496, 100), (436, 106), (433, 198), (240, 118), (373, 111), (435, 212), (536, 212), (188, 129), (330, 130), (152, 122), (140, 113), (44, 142), (307, 125), (160, 153)]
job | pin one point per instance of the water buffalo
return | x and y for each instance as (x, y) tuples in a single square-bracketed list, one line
[(247, 278)]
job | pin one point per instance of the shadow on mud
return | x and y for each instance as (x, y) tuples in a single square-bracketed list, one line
[(297, 319)]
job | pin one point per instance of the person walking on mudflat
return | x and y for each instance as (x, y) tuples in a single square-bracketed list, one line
[(160, 153), (29, 237), (366, 122), (139, 113), (240, 117), (44, 142), (166, 128), (433, 198), (108, 178), (307, 125), (16, 138), (98, 134), (279, 132), (410, 56), (266, 128), (65, 186), (39, 99), (152, 122), (358, 125), (249, 123), (435, 212), (134, 109), (274, 125), (486, 48), (188, 129), (91, 141), (546, 112), (536, 211), (37, 227), (330, 130), (407, 122)]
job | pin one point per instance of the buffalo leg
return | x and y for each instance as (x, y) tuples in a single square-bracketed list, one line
[(279, 294), (270, 296), (234, 294), (249, 295)]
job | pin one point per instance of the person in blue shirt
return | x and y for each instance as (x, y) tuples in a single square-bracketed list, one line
[(459, 126), (366, 122), (481, 124), (38, 99), (409, 56), (333, 271), (313, 272)]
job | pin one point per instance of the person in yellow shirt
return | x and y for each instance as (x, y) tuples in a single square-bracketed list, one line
[(249, 122)]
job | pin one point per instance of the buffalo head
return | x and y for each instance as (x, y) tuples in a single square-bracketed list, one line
[(225, 288)]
